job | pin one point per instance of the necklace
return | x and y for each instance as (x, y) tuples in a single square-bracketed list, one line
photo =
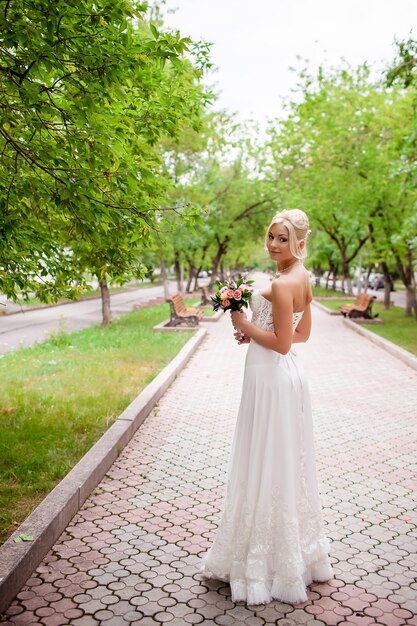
[(279, 272)]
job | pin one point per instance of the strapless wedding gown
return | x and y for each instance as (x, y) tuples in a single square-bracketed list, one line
[(270, 542)]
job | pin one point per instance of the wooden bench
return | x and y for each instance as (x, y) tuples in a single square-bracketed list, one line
[(181, 315), (362, 307), (205, 298)]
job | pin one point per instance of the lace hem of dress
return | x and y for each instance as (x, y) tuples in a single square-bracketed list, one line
[(270, 550), (271, 585)]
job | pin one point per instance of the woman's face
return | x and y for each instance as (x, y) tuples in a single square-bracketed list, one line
[(278, 245)]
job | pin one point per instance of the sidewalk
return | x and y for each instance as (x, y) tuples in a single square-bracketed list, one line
[(131, 554)]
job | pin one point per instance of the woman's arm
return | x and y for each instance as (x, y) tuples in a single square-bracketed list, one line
[(282, 308)]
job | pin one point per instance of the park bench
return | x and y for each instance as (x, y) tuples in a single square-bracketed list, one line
[(181, 315), (206, 297), (362, 307)]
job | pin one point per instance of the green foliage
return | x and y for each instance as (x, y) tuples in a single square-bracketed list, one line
[(88, 89), (340, 156), (404, 68)]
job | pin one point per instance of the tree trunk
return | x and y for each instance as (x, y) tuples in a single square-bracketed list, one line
[(105, 301), (359, 285), (191, 276), (368, 273), (387, 285), (214, 269), (221, 250), (335, 271), (164, 278), (328, 276), (178, 275), (197, 271), (349, 285), (410, 302), (346, 277), (406, 272)]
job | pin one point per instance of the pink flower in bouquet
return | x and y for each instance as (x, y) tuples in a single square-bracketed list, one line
[(232, 295)]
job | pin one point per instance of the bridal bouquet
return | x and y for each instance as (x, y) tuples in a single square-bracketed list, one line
[(232, 295)]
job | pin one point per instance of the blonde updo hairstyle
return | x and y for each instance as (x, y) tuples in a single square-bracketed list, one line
[(296, 222)]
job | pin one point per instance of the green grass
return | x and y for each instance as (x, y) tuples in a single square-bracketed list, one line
[(208, 310), (397, 328), (335, 304), (323, 292), (58, 397)]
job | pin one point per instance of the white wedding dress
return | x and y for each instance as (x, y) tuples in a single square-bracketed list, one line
[(270, 542)]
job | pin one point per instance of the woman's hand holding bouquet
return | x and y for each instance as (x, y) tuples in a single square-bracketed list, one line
[(233, 296)]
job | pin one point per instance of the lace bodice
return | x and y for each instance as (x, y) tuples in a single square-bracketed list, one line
[(262, 312)]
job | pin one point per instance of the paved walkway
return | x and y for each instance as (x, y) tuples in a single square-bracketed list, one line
[(131, 554)]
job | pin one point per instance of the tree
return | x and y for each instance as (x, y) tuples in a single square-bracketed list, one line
[(217, 174), (403, 74), (87, 90), (334, 156)]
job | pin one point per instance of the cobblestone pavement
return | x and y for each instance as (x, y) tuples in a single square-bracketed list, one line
[(131, 554)]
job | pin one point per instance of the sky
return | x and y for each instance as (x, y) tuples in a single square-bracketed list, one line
[(255, 43)]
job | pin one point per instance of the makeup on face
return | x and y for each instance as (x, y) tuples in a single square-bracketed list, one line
[(278, 239)]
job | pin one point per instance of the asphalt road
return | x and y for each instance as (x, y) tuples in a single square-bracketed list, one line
[(397, 297), (29, 327)]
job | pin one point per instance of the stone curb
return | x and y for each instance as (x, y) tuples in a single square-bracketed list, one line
[(401, 354), (52, 516)]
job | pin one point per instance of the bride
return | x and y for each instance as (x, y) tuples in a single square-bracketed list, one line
[(270, 542)]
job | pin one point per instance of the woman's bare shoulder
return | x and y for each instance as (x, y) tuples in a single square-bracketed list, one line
[(297, 284), (296, 277)]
